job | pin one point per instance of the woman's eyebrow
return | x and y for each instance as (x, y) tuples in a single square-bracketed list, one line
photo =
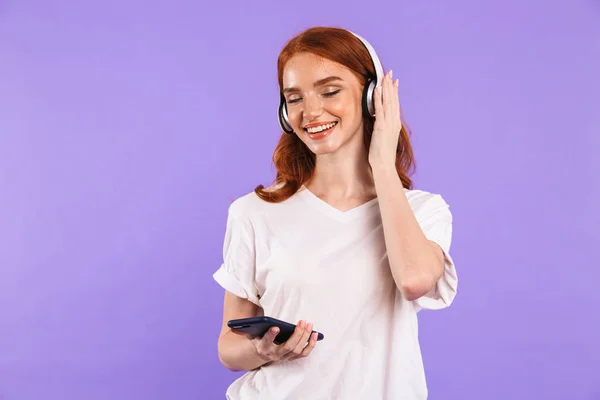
[(320, 82)]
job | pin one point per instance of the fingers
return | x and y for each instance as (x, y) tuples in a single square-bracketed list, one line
[(386, 97), (388, 94), (310, 346), (397, 100), (377, 99), (390, 102), (269, 337), (296, 340), (265, 344), (304, 339), (265, 347), (300, 343)]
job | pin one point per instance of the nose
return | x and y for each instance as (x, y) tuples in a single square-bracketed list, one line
[(312, 108)]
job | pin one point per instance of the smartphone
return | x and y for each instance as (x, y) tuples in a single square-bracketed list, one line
[(258, 326)]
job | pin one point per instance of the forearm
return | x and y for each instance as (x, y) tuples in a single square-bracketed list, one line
[(237, 353), (414, 264)]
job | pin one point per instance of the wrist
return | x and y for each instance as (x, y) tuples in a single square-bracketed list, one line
[(380, 168), (238, 353)]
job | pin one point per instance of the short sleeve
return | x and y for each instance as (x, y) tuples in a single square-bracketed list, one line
[(237, 272), (435, 219)]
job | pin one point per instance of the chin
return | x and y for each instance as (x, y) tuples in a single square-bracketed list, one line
[(321, 148)]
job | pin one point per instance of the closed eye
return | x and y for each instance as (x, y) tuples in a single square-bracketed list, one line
[(331, 94), (328, 94)]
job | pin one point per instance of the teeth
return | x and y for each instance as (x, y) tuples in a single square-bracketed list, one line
[(317, 129)]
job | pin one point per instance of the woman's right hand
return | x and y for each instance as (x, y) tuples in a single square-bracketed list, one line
[(297, 346)]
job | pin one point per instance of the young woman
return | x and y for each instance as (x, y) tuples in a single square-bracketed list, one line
[(341, 243)]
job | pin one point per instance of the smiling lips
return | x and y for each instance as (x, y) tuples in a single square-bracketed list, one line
[(319, 130)]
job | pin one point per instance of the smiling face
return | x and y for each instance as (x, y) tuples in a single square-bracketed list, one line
[(323, 100)]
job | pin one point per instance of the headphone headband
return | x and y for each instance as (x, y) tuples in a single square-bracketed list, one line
[(368, 93), (374, 58)]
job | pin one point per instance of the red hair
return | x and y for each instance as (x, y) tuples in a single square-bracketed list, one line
[(294, 162)]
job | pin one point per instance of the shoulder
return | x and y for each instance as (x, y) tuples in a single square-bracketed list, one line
[(424, 203), (245, 205), (249, 204)]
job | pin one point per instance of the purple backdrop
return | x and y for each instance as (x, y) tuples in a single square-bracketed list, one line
[(128, 127)]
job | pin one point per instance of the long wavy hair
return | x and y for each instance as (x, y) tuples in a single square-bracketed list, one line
[(293, 160)]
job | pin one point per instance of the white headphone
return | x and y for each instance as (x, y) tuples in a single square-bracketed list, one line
[(368, 92)]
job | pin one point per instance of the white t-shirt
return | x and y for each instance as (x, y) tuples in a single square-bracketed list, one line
[(304, 259)]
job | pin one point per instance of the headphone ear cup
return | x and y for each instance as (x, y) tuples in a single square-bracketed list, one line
[(284, 121), (368, 100)]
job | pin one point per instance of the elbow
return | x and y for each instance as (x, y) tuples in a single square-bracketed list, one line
[(230, 368), (226, 364), (418, 284), (414, 289), (223, 356)]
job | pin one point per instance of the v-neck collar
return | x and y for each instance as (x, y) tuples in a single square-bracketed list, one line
[(333, 212)]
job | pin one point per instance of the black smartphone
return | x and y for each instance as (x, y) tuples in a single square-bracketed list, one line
[(258, 326)]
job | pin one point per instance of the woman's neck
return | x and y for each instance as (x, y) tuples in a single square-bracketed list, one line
[(339, 176)]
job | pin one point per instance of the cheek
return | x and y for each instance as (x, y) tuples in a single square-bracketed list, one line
[(339, 108), (348, 105), (348, 109), (295, 115)]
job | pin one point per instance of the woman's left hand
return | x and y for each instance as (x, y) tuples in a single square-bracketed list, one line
[(387, 124)]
